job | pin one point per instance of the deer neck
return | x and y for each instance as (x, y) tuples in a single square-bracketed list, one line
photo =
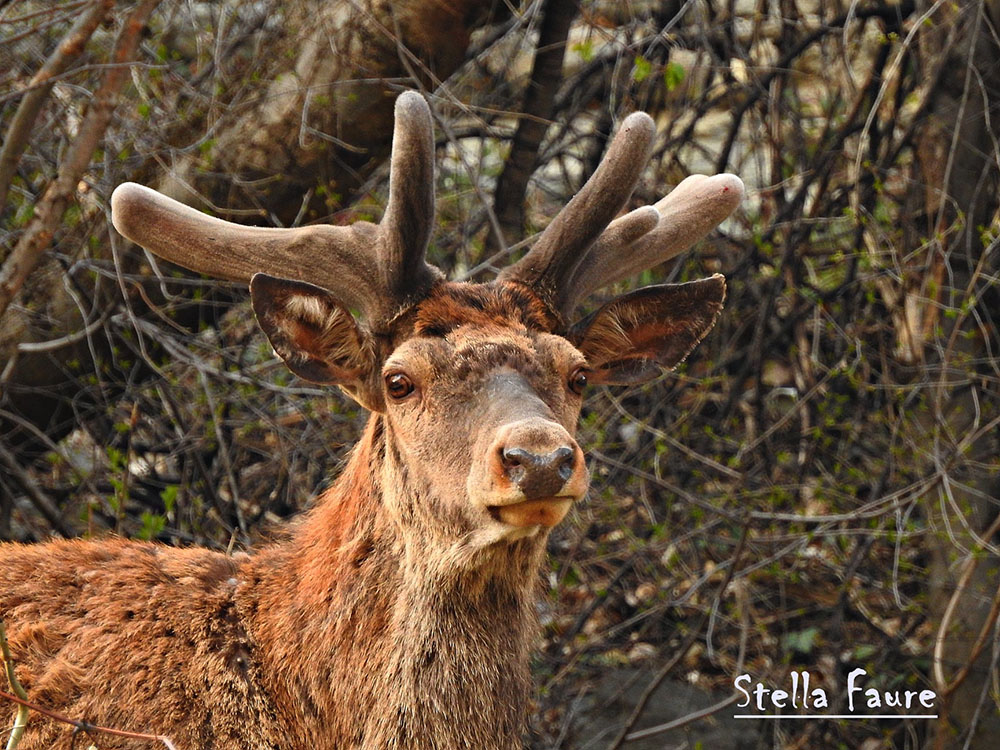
[(390, 638)]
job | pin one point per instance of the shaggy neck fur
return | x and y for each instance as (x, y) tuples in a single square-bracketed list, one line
[(387, 638)]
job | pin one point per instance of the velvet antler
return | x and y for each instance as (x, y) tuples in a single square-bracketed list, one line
[(563, 245), (582, 249), (381, 270), (377, 269)]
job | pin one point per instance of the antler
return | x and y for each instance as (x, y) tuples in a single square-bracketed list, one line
[(380, 269), (582, 250), (377, 269), (689, 212), (563, 245)]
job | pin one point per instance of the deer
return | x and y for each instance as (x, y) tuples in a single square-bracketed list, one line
[(399, 610)]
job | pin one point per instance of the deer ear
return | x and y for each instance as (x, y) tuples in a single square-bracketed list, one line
[(629, 339), (314, 333)]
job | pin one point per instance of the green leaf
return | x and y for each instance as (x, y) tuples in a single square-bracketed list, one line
[(642, 69), (585, 49), (864, 652), (169, 496), (152, 524), (673, 75), (802, 641)]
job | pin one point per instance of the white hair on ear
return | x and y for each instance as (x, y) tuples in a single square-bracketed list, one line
[(308, 308)]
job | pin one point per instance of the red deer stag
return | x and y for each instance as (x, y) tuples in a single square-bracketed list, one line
[(399, 613)]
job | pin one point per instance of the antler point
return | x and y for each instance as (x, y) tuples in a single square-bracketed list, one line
[(412, 104)]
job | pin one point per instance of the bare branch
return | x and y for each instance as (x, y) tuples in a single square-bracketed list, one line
[(49, 211), (69, 49), (21, 720)]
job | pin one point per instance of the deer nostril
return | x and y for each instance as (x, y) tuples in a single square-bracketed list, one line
[(563, 459), (514, 456), (513, 461)]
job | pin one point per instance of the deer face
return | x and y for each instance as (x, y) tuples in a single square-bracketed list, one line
[(478, 386), (480, 396), (503, 464)]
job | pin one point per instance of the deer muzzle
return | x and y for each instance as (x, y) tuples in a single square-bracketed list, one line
[(538, 471)]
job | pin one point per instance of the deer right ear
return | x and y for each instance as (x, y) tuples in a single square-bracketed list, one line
[(633, 337), (315, 334)]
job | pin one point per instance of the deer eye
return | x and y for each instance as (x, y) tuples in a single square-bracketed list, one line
[(398, 386), (578, 380)]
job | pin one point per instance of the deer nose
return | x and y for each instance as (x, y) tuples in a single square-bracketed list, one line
[(538, 475)]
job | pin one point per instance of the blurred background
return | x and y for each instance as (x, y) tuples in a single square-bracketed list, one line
[(816, 489)]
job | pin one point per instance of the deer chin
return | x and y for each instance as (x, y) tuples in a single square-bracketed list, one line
[(544, 512)]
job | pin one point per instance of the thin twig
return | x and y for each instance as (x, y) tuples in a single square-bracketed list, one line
[(21, 719), (42, 502), (69, 49), (640, 707), (682, 721), (944, 687), (44, 12), (82, 725)]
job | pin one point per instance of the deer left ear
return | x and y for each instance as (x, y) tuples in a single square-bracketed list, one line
[(633, 337), (315, 334)]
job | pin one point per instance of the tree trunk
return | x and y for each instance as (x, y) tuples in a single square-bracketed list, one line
[(957, 162), (546, 75)]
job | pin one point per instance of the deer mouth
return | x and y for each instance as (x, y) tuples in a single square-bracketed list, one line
[(546, 511)]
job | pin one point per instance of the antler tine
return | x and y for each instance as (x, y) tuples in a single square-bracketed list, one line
[(689, 212), (565, 241), (334, 257), (409, 217)]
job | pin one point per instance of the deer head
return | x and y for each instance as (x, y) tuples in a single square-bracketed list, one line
[(477, 387)]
